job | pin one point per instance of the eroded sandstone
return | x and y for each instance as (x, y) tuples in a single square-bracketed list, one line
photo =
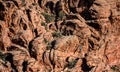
[(59, 35)]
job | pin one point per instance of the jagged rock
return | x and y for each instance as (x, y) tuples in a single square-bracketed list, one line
[(66, 48), (59, 35), (100, 9), (112, 51)]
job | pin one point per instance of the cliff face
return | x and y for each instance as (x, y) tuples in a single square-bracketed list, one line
[(59, 35)]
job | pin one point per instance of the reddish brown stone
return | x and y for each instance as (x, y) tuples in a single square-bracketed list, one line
[(59, 35)]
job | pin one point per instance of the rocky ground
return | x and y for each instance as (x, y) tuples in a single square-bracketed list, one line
[(59, 35)]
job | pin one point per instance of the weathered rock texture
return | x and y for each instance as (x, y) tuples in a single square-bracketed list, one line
[(59, 35)]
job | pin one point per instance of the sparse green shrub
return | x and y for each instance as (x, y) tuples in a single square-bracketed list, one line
[(23, 2), (34, 4), (44, 24), (45, 40), (56, 34), (49, 70), (72, 63), (115, 69), (51, 45), (48, 46), (3, 56), (61, 15), (48, 17)]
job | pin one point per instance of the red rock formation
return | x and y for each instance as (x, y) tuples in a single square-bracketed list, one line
[(59, 35)]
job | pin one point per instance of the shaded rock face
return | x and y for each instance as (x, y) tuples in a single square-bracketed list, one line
[(59, 35)]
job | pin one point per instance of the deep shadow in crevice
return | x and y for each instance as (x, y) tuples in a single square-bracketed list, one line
[(24, 64), (40, 3), (11, 30), (86, 14), (68, 29), (96, 26), (19, 41), (58, 8), (36, 33), (89, 3), (110, 18), (43, 56), (91, 46), (15, 2), (2, 15), (67, 32), (1, 46), (51, 58), (51, 55), (10, 59), (50, 5), (52, 61), (84, 66), (11, 48), (72, 9), (97, 38), (0, 29), (72, 64), (2, 8), (31, 50), (28, 14), (23, 24), (69, 17), (53, 44)]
